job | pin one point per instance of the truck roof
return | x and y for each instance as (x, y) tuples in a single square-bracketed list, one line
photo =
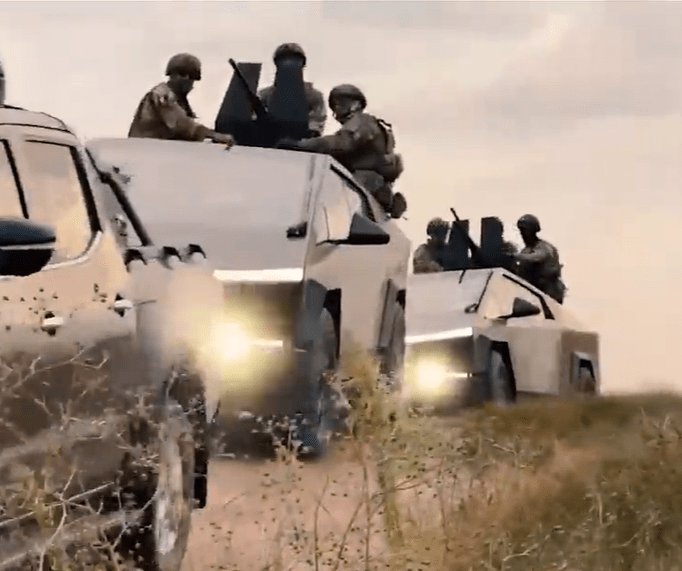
[(237, 204), (17, 116)]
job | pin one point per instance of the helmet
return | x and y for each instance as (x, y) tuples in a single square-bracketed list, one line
[(528, 222), (289, 49), (186, 64), (2, 85), (347, 90), (437, 226)]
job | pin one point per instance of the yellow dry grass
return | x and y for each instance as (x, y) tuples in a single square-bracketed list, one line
[(571, 485)]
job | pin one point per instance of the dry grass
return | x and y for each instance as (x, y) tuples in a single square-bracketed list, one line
[(589, 484), (567, 485)]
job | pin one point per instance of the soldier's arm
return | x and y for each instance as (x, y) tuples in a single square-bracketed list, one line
[(181, 125), (317, 117), (178, 122), (354, 133), (339, 142), (540, 255), (423, 263)]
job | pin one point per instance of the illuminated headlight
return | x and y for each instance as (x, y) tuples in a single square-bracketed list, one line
[(433, 378), (232, 342), (440, 336)]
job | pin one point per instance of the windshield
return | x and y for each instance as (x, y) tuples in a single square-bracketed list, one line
[(175, 182)]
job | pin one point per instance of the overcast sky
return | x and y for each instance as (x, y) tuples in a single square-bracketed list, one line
[(571, 111)]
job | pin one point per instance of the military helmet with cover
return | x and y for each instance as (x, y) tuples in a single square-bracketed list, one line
[(437, 227), (347, 90), (528, 222), (2, 84), (289, 49), (184, 64)]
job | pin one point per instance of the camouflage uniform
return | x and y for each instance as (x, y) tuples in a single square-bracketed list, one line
[(365, 146), (428, 257), (423, 261), (538, 263), (162, 115), (165, 113)]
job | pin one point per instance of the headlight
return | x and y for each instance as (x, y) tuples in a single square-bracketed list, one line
[(233, 342), (434, 378), (440, 336)]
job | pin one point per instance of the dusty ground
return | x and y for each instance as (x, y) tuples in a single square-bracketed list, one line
[(261, 515)]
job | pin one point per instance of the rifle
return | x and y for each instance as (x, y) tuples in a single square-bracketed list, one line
[(475, 249), (255, 101)]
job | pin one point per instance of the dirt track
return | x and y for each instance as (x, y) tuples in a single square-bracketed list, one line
[(260, 511)]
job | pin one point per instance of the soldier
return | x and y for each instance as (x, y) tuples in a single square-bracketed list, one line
[(364, 145), (508, 249), (538, 262), (428, 256), (165, 113), (317, 111), (2, 85)]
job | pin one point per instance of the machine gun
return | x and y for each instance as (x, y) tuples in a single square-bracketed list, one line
[(256, 104), (463, 253), (243, 115), (476, 256)]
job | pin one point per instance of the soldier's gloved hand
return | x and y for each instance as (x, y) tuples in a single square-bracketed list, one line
[(227, 140), (287, 143)]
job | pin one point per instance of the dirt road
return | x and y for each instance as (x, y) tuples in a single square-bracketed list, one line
[(261, 515)]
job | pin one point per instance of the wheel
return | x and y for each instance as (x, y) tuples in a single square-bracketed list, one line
[(164, 491), (500, 379), (317, 429), (187, 388), (586, 382), (393, 365)]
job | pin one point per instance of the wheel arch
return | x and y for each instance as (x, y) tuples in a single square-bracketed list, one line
[(503, 348)]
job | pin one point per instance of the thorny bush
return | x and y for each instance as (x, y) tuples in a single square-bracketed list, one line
[(573, 485)]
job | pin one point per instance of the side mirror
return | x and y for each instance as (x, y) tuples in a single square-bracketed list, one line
[(25, 246), (521, 308), (364, 232)]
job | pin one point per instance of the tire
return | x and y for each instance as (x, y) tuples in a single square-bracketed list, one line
[(587, 383), (188, 390), (500, 379), (316, 431), (393, 365), (158, 540)]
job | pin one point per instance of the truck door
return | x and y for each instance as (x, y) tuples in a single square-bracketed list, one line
[(359, 271), (71, 325)]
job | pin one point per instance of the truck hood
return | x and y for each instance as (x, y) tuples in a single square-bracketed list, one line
[(246, 250)]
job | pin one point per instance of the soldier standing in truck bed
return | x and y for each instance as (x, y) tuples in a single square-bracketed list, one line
[(165, 112), (538, 262), (428, 257), (317, 110), (364, 145)]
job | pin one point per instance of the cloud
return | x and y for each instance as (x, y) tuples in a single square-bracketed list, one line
[(498, 19), (620, 59)]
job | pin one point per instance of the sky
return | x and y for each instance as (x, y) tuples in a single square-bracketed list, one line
[(569, 110)]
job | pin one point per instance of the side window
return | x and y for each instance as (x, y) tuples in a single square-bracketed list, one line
[(119, 222), (523, 293), (332, 212), (54, 196), (10, 203), (338, 203), (357, 201)]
